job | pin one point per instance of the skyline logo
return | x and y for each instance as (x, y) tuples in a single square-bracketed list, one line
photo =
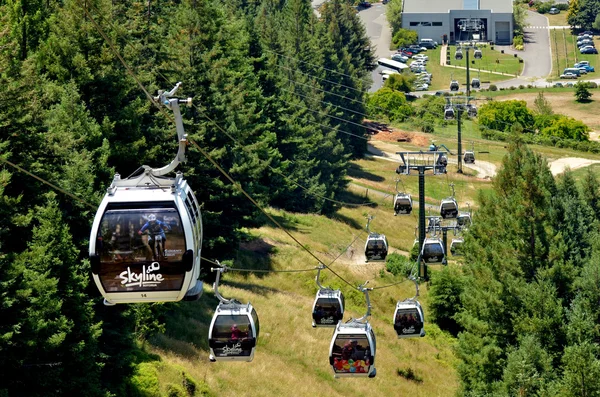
[(144, 279)]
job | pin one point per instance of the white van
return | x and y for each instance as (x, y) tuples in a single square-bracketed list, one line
[(575, 71), (428, 43)]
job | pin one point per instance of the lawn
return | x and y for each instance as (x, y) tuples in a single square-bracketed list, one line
[(559, 19), (443, 74), (491, 60), (565, 53)]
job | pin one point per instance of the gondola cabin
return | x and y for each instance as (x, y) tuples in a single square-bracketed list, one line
[(376, 247), (328, 308), (233, 332), (463, 220), (469, 157), (456, 246), (448, 208), (409, 319), (471, 110), (352, 350), (458, 55), (449, 113), (477, 53), (403, 204), (433, 250), (454, 86), (146, 240)]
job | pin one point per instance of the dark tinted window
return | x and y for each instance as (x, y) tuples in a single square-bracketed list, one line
[(232, 336), (141, 249), (433, 249)]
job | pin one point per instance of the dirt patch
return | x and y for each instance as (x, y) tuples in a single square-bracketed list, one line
[(564, 103), (385, 132), (559, 166)]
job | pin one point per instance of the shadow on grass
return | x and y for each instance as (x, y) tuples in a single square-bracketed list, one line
[(356, 171)]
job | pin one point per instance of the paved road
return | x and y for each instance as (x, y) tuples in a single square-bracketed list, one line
[(380, 33)]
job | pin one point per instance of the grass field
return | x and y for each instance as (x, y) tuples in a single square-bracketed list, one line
[(565, 53), (559, 19), (491, 60), (443, 74)]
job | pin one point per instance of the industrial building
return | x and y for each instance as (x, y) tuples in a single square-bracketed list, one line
[(460, 20)]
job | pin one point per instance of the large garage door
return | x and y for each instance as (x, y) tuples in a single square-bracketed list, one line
[(503, 32)]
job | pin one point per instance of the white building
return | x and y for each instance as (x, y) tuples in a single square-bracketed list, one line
[(460, 20)]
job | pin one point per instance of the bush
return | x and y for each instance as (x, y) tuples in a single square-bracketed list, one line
[(512, 87), (543, 8), (562, 6), (518, 40), (409, 374), (493, 87), (521, 87), (399, 265), (145, 380), (592, 84)]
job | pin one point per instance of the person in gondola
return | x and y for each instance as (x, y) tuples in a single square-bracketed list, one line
[(236, 333), (348, 350), (319, 313), (156, 231)]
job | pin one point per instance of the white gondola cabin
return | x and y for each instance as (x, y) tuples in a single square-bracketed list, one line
[(477, 54), (146, 237), (352, 349), (376, 247), (475, 83), (409, 319), (469, 157), (234, 328), (403, 203), (463, 220), (233, 332), (456, 246), (448, 113), (458, 55), (328, 308), (433, 250), (454, 86), (448, 208)]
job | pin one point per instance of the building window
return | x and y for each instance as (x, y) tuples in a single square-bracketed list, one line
[(437, 24), (414, 23)]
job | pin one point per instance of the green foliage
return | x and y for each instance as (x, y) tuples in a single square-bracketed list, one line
[(399, 82), (445, 291), (493, 87), (519, 18), (503, 115), (582, 92), (388, 104), (583, 13), (404, 38), (399, 265), (567, 128), (528, 369), (144, 382), (544, 7), (394, 15), (518, 42)]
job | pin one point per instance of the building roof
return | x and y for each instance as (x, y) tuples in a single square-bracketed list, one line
[(444, 6)]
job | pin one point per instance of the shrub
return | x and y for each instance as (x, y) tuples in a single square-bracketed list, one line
[(529, 85), (562, 6), (512, 87), (521, 87), (145, 380), (592, 84), (409, 374), (518, 40), (398, 265), (543, 8)]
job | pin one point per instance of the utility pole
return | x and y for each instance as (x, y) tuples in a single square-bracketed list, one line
[(421, 162), (459, 113)]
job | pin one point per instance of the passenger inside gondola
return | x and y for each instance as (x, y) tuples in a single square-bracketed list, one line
[(351, 355)]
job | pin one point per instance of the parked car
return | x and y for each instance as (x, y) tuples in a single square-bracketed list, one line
[(422, 57), (588, 68), (558, 85), (588, 50), (415, 47), (580, 63), (554, 11), (588, 32), (406, 54), (582, 71), (570, 85), (399, 58), (568, 76), (584, 43), (421, 87)]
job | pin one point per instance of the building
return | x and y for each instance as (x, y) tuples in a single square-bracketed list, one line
[(460, 20)]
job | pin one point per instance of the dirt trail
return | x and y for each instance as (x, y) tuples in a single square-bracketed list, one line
[(387, 151)]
